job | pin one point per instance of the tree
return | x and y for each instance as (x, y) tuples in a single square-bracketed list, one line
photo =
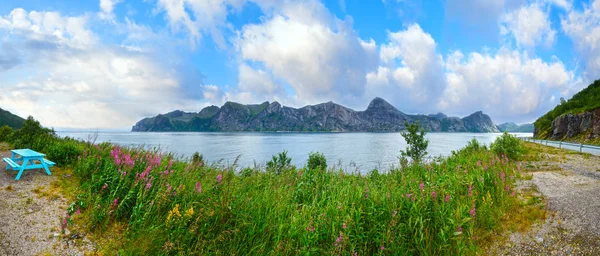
[(417, 144)]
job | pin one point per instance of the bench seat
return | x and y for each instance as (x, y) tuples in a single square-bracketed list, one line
[(49, 163), (10, 163)]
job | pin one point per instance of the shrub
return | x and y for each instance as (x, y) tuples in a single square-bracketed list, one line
[(5, 132), (507, 145), (64, 151), (32, 135), (316, 160), (417, 144), (279, 163), (198, 159)]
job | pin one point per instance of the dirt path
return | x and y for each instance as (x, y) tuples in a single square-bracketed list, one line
[(31, 213), (570, 184)]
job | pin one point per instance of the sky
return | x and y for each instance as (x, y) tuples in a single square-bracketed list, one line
[(109, 63)]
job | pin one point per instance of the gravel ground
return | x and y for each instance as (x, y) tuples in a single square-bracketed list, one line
[(570, 185), (30, 224)]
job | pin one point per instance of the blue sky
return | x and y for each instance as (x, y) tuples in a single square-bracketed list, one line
[(108, 63)]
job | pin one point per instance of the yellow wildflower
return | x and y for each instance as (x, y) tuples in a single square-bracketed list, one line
[(189, 212), (175, 212)]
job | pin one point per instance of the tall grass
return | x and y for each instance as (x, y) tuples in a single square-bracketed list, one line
[(170, 206), (176, 207)]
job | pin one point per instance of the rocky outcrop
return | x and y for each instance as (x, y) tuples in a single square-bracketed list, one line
[(380, 116), (586, 124)]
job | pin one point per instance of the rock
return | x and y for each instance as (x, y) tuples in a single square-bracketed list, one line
[(55, 235), (570, 125), (539, 239), (380, 116), (30, 210), (67, 232)]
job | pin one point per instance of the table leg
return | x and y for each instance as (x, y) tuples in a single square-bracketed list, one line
[(22, 168), (45, 166)]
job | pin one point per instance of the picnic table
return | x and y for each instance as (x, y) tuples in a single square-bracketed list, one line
[(27, 159)]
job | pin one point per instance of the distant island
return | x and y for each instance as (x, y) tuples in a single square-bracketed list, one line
[(512, 127), (380, 116)]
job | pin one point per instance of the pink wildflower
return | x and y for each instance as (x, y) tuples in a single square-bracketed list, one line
[(473, 212), (422, 186), (382, 247), (219, 178), (470, 190), (65, 221), (447, 199), (339, 239), (513, 193), (310, 228), (198, 187), (115, 202), (78, 211), (344, 225), (434, 195), (366, 195), (479, 163), (507, 188), (105, 186), (148, 185), (408, 196)]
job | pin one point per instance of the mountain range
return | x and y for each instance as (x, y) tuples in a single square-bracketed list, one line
[(512, 127), (380, 116)]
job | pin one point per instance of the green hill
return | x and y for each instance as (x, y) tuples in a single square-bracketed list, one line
[(7, 118), (587, 99)]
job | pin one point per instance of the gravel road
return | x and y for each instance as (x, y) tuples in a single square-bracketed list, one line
[(570, 184), (30, 222)]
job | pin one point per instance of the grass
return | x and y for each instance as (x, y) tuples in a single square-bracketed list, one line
[(151, 203), (137, 202)]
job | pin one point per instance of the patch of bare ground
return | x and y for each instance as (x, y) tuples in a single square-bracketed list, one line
[(31, 212), (570, 185)]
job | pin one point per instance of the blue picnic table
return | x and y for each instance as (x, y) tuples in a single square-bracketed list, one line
[(27, 159)]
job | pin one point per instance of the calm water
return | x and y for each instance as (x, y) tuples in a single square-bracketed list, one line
[(354, 151)]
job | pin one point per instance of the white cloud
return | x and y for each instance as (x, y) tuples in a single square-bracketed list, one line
[(529, 25), (57, 71), (411, 67), (506, 83), (583, 27), (49, 26), (107, 6), (319, 56), (200, 17)]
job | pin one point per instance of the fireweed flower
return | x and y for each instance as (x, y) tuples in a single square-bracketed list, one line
[(479, 163), (198, 187), (473, 212), (115, 202), (382, 247), (148, 185), (344, 225), (310, 228), (219, 178), (339, 239), (422, 186), (434, 195), (447, 198), (408, 196), (470, 190)]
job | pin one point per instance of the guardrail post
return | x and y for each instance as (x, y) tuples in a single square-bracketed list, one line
[(560, 145)]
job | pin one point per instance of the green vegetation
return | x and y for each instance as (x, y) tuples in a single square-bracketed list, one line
[(12, 121), (586, 100), (148, 202), (417, 144), (507, 145), (279, 163)]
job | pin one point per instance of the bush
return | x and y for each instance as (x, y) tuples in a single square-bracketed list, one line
[(417, 144), (279, 163), (5, 132), (198, 159), (32, 136), (316, 160), (64, 151), (507, 145)]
